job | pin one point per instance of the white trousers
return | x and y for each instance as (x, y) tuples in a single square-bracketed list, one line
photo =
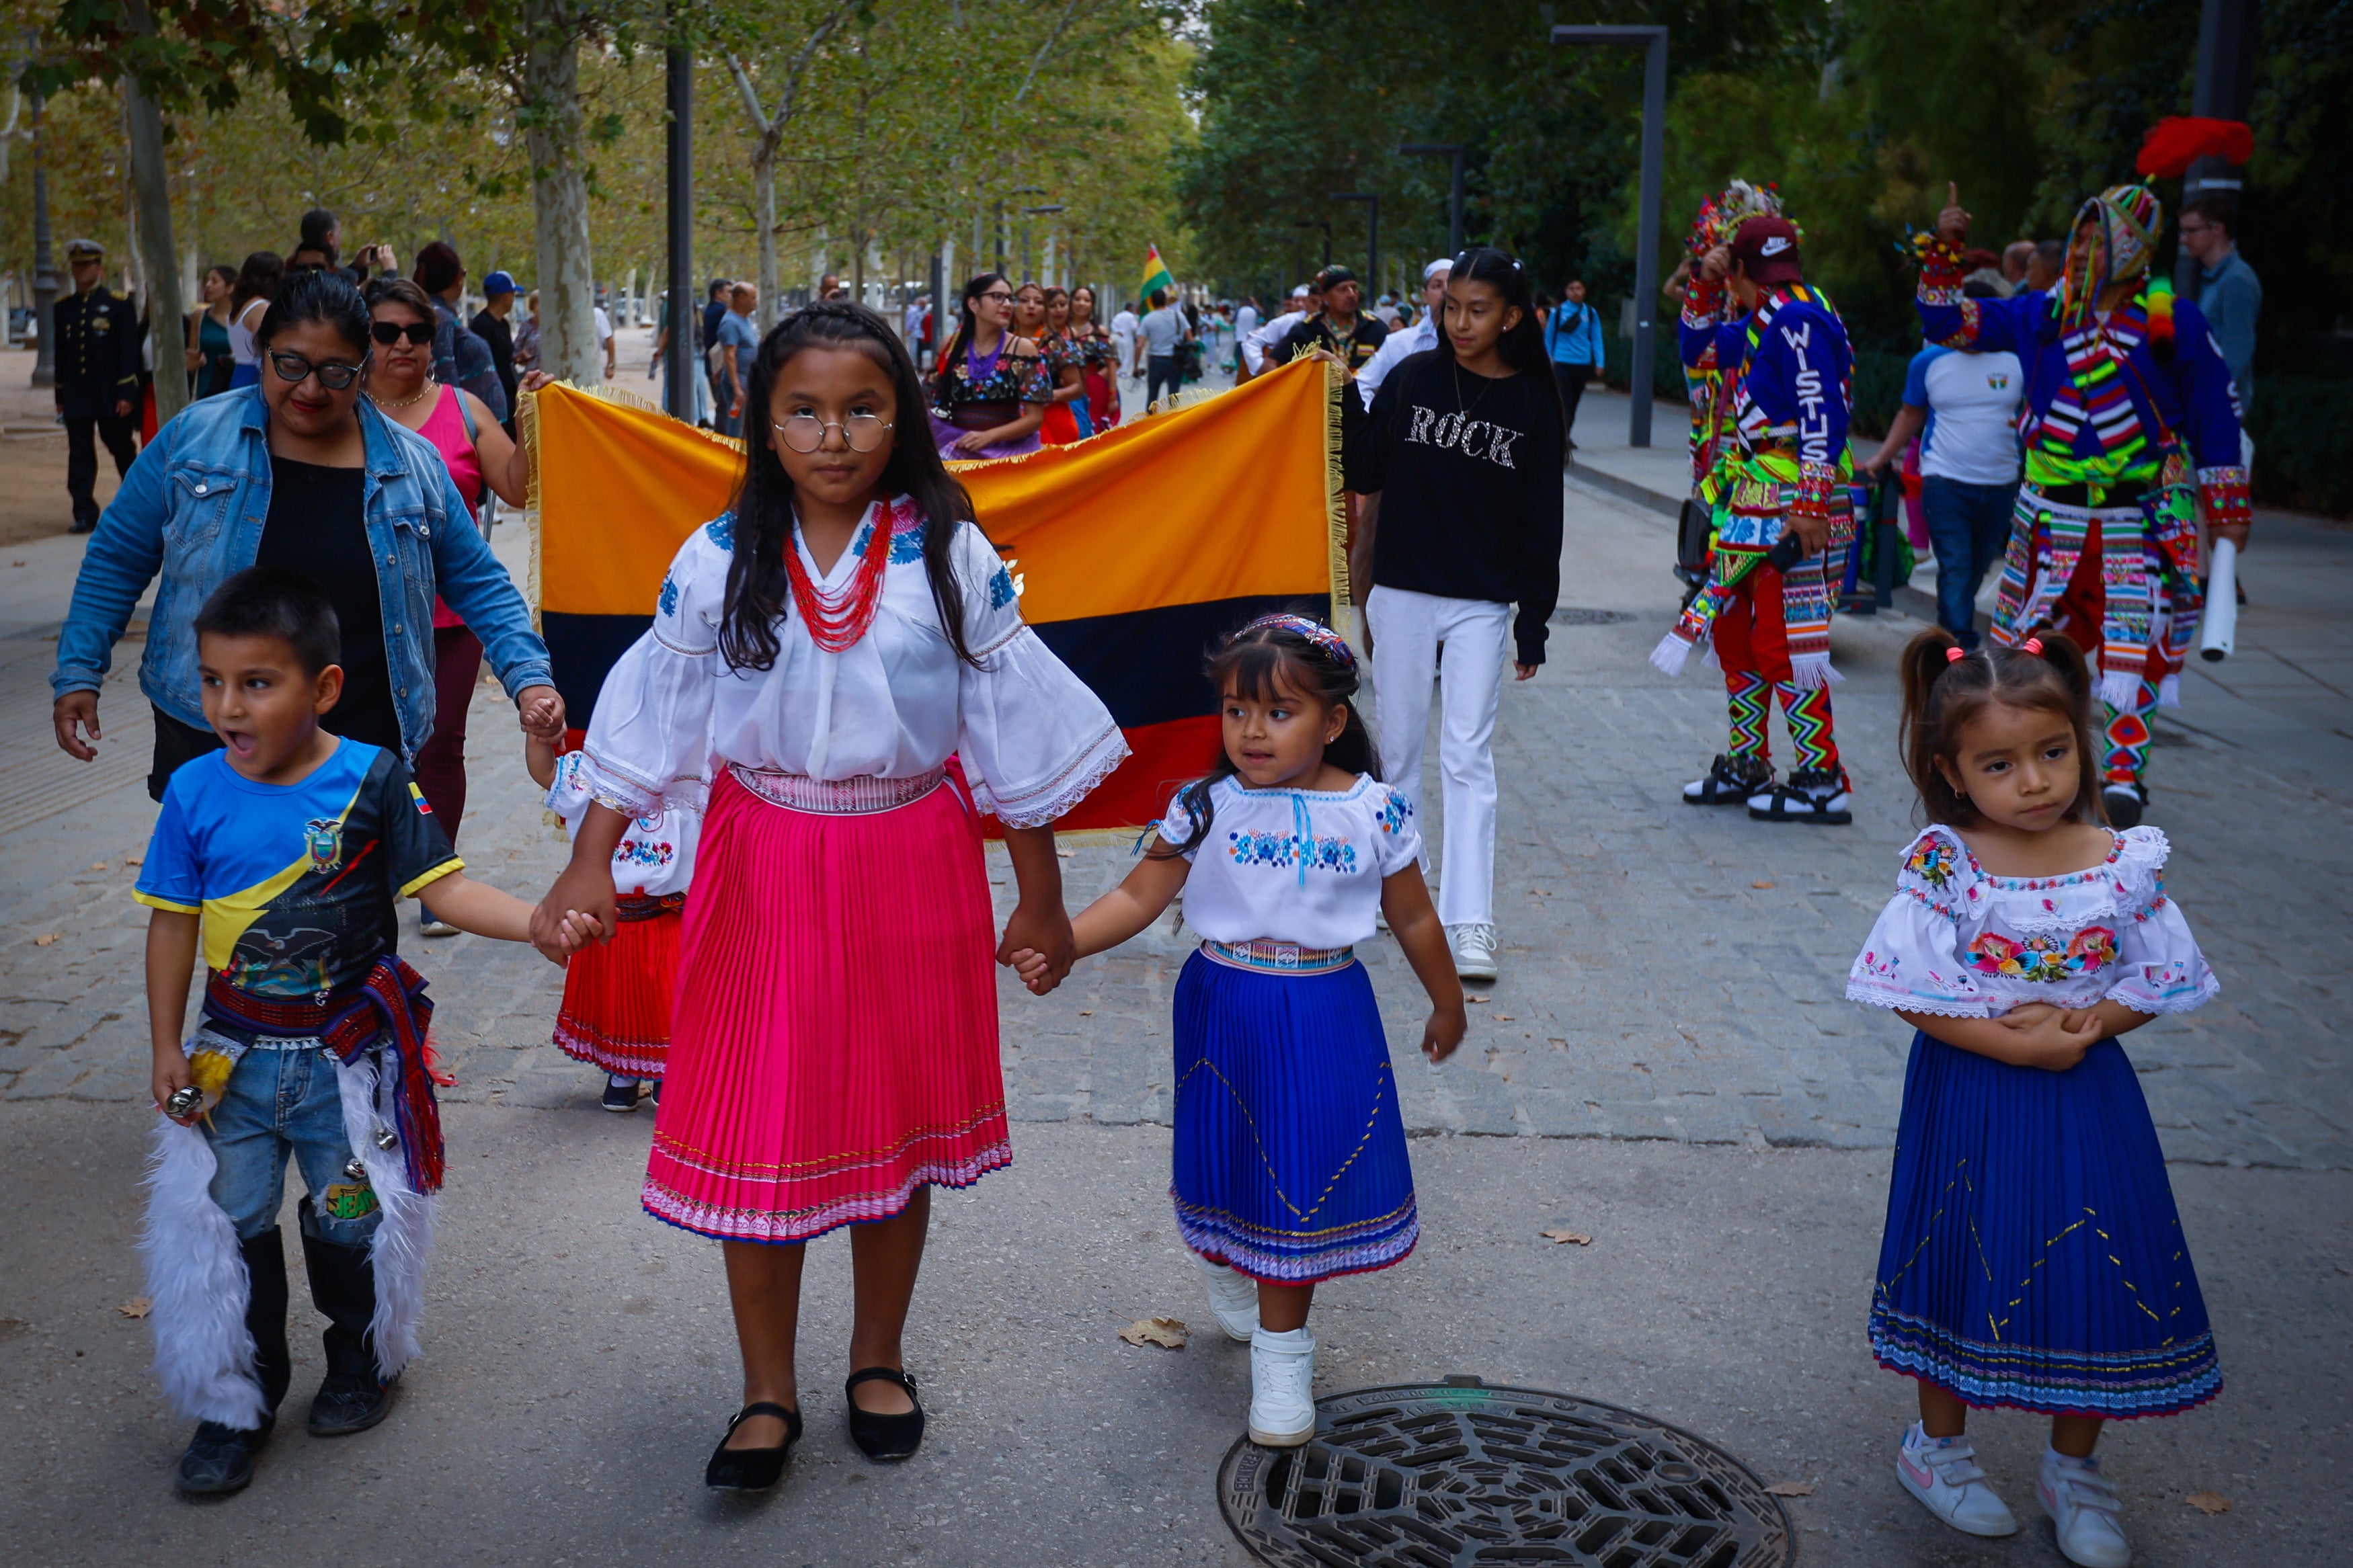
[(1407, 628)]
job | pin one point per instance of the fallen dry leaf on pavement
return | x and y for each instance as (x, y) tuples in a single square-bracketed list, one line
[(1170, 1333), (137, 1307), (1760, 884), (2209, 1503), (98, 864), (1505, 1019), (1560, 1233), (1792, 1489), (44, 940), (134, 859), (1472, 997)]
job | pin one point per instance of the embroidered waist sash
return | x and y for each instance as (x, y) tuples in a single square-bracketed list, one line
[(627, 907), (1280, 957), (837, 797), (388, 1011)]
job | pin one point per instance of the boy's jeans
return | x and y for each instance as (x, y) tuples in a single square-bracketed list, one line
[(1968, 527), (284, 1098)]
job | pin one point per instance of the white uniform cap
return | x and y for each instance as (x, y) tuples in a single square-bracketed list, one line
[(1443, 264)]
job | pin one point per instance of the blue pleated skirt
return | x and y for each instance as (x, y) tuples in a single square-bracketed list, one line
[(1289, 1159), (2034, 1258)]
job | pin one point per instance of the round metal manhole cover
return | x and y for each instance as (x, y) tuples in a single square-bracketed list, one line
[(1448, 1475), (1576, 617)]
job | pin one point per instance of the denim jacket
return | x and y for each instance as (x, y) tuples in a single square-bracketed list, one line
[(194, 505)]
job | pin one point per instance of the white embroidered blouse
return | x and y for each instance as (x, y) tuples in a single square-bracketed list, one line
[(895, 704), (1959, 943), (1294, 865), (655, 856)]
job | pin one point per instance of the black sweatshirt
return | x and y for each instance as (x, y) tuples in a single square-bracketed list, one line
[(1468, 470)]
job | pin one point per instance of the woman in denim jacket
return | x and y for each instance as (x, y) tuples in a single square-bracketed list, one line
[(280, 472)]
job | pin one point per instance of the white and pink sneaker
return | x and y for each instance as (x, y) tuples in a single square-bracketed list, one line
[(1942, 1472)]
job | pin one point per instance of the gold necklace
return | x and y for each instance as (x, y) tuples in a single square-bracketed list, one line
[(430, 385)]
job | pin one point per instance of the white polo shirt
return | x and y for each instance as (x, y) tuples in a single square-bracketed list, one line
[(1972, 400)]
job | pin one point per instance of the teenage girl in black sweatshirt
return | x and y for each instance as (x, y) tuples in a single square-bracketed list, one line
[(1462, 445)]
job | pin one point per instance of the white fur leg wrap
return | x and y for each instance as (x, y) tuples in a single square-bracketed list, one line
[(197, 1286), (1668, 657), (2120, 690), (2169, 693), (1808, 671), (403, 1243)]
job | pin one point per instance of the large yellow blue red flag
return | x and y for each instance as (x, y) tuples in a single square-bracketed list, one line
[(1136, 551), (1156, 274)]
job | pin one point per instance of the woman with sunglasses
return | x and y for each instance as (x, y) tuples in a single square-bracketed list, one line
[(991, 391), (301, 471), (483, 460)]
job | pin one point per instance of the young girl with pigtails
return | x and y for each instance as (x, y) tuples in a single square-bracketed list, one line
[(839, 675), (2033, 1259), (1290, 1159)]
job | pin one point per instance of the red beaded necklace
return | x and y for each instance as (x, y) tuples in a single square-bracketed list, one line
[(836, 621)]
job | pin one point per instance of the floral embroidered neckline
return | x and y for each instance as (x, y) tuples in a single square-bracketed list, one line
[(2036, 884), (1281, 792)]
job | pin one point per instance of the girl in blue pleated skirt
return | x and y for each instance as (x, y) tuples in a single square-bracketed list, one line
[(1290, 1162), (2033, 1257)]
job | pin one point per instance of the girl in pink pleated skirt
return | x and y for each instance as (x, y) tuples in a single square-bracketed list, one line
[(839, 676)]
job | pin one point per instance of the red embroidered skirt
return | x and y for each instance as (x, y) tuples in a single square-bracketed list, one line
[(834, 1042), (616, 995)]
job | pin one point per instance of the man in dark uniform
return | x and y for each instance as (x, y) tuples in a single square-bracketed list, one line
[(1338, 327), (97, 338)]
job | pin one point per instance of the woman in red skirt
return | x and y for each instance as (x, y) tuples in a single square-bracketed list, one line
[(616, 995), (840, 668)]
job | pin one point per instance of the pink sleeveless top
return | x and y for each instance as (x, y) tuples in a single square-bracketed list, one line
[(446, 429)]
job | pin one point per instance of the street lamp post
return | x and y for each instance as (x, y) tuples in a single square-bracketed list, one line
[(1455, 150), (1652, 41), (2227, 40), (44, 266), (1001, 236), (678, 359), (1372, 200)]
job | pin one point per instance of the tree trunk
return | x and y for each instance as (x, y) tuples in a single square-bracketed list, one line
[(559, 195), (763, 186), (151, 197)]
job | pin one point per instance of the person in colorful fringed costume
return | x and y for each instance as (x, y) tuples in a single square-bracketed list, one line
[(1775, 424), (2128, 420), (615, 1012), (286, 852)]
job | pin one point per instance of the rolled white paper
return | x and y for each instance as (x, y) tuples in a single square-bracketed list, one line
[(2222, 629)]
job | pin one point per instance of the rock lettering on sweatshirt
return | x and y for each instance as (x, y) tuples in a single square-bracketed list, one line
[(1472, 438)]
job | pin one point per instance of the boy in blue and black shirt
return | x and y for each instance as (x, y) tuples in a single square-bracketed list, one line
[(285, 854)]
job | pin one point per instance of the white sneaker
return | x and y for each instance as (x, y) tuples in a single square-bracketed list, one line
[(1282, 1388), (2082, 1505), (1474, 947), (1942, 1473), (428, 926), (1233, 1298)]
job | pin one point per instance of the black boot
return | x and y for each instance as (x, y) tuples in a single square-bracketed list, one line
[(220, 1459), (351, 1397)]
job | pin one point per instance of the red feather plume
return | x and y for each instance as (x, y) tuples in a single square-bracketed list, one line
[(2178, 140)]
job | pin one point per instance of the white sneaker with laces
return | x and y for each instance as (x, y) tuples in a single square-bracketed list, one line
[(2083, 1507), (1282, 1388), (1233, 1298), (1942, 1472), (1472, 945)]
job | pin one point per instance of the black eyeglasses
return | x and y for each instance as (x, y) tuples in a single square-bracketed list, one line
[(419, 333), (334, 375)]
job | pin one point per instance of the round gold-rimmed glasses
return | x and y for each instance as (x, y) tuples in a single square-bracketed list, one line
[(860, 432)]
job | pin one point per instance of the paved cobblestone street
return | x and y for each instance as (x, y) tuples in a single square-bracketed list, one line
[(1666, 1063)]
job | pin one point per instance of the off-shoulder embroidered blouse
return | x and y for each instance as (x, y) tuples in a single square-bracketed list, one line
[(895, 704), (1959, 943)]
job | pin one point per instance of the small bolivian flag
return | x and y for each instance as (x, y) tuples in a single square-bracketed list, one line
[(1156, 274)]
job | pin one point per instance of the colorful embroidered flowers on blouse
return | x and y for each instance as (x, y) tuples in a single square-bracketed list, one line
[(1393, 812), (1934, 862), (2044, 958), (1282, 850)]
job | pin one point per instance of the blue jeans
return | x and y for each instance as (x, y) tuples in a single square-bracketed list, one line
[(281, 1102), (1968, 527), (1160, 370)]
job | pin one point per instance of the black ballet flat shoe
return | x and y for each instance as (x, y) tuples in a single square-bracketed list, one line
[(751, 1469), (884, 1437)]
